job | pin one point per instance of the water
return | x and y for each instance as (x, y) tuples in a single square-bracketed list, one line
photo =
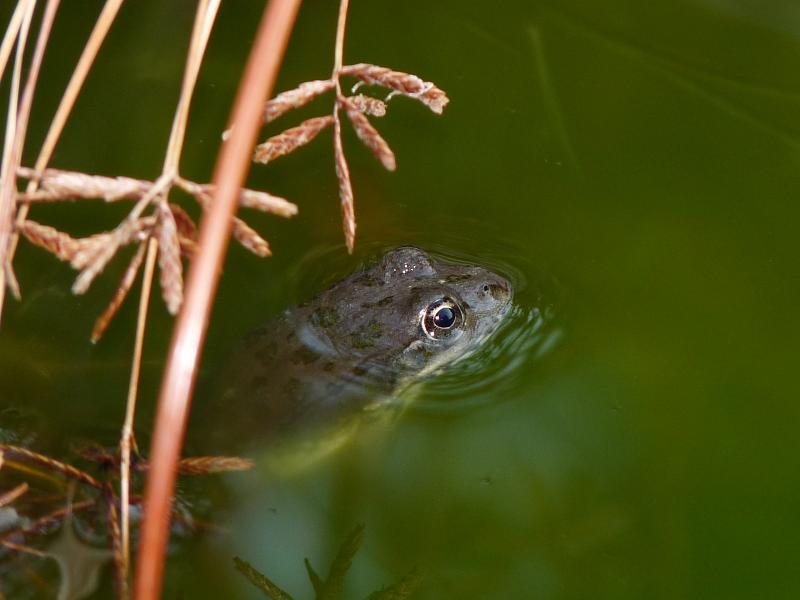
[(639, 160)]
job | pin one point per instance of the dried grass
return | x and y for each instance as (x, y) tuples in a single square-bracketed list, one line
[(170, 224), (181, 370), (406, 84), (102, 322), (45, 510), (368, 105), (291, 139), (345, 189), (117, 548), (13, 494), (207, 465), (169, 259), (300, 96), (357, 107), (51, 464), (370, 136), (54, 185), (163, 232)]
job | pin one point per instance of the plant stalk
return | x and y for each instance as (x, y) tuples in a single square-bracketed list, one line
[(178, 383)]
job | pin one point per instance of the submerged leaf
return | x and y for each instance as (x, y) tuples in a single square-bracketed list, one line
[(260, 580), (316, 580), (332, 589)]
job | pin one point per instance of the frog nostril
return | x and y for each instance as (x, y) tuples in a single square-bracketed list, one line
[(495, 289)]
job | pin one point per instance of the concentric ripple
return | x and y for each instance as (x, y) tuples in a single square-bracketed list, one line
[(491, 373)]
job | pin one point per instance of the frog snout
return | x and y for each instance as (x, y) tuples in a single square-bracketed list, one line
[(500, 289)]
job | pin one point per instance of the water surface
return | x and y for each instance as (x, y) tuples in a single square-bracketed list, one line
[(642, 158)]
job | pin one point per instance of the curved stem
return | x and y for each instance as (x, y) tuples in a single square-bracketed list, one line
[(178, 384)]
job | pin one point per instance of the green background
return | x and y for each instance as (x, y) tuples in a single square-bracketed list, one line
[(644, 155)]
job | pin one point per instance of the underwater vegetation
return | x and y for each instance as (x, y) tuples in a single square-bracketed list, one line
[(48, 495), (332, 586)]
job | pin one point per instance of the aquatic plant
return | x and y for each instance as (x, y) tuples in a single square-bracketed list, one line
[(45, 500), (331, 587), (162, 231)]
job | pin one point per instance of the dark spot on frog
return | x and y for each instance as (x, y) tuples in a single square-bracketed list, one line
[(325, 317), (292, 386), (457, 278), (332, 388), (365, 338), (378, 304), (376, 329), (304, 355), (259, 381), (256, 336), (368, 280), (358, 341), (266, 352), (417, 355)]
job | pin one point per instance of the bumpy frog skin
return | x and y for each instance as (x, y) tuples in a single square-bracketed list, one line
[(348, 352)]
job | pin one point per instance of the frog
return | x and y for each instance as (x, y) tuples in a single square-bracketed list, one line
[(323, 369)]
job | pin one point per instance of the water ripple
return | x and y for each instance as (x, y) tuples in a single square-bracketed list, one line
[(503, 364)]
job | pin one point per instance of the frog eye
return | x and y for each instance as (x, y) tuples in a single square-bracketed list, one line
[(444, 317), (441, 318)]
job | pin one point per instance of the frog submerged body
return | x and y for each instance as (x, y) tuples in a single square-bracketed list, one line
[(325, 367)]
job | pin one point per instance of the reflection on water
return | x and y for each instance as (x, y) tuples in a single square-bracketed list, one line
[(79, 564), (492, 372)]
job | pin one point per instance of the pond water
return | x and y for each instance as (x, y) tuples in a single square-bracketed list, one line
[(635, 164)]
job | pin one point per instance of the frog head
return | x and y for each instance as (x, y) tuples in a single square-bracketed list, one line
[(411, 314)]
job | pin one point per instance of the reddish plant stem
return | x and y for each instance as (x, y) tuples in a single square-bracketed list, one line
[(215, 227)]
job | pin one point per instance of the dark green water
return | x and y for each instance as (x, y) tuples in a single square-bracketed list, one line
[(643, 155)]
